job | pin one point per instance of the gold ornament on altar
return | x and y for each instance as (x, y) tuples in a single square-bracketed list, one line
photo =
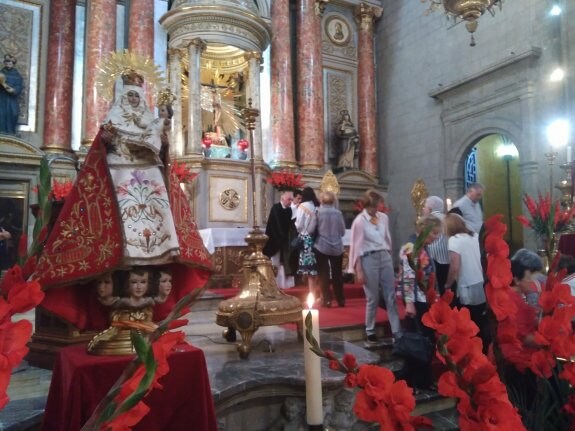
[(418, 196), (467, 10), (131, 67), (260, 301), (329, 183), (165, 97)]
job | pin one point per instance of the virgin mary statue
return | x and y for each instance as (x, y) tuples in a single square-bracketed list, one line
[(124, 211)]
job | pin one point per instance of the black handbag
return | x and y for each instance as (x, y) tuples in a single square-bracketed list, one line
[(296, 243), (414, 345)]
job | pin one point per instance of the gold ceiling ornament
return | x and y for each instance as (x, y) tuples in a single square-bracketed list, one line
[(418, 196), (329, 183), (122, 63), (467, 10)]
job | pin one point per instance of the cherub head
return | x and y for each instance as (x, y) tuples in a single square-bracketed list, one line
[(105, 285), (138, 283), (164, 283)]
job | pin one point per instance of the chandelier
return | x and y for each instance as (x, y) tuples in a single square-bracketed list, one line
[(467, 10)]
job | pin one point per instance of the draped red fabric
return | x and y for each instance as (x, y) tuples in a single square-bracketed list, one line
[(87, 241)]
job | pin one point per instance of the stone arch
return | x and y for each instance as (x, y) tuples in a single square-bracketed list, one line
[(479, 130)]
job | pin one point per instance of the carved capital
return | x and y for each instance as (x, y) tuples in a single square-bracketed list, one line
[(366, 15), (176, 54), (319, 6), (197, 43), (253, 55)]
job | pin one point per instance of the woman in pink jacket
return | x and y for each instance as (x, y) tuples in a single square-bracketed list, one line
[(370, 260)]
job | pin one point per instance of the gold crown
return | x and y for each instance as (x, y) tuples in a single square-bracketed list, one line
[(165, 97), (131, 77)]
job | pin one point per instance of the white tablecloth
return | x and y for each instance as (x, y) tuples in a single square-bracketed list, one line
[(235, 237)]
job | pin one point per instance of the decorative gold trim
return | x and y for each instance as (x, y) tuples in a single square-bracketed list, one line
[(235, 215), (230, 199), (329, 183)]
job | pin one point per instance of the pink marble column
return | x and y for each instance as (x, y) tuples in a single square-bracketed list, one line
[(366, 16), (282, 123), (310, 86), (141, 30), (60, 77), (100, 42)]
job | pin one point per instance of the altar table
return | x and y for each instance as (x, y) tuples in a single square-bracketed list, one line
[(81, 380)]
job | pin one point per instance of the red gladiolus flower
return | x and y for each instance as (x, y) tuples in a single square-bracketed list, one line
[(25, 296), (439, 317), (376, 380), (568, 374), (13, 339), (4, 382), (128, 419), (329, 354), (350, 380), (523, 220), (334, 365), (349, 361)]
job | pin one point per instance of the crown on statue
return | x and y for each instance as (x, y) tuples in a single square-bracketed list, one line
[(165, 97), (131, 77)]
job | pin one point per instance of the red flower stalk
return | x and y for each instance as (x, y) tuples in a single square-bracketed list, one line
[(285, 180), (16, 296), (61, 189), (184, 174)]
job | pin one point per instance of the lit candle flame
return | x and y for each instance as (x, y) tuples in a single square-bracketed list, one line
[(310, 300)]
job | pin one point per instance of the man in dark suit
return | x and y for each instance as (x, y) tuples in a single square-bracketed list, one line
[(277, 230)]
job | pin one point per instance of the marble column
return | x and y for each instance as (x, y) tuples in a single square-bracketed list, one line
[(282, 121), (310, 127), (254, 59), (366, 16), (60, 77), (141, 27), (100, 42), (194, 142), (176, 56)]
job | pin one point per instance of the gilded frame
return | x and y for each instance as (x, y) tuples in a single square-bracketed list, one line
[(20, 35)]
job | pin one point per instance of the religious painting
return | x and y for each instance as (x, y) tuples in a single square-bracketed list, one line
[(14, 220), (228, 199), (338, 30), (20, 29)]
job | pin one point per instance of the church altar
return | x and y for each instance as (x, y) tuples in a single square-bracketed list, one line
[(81, 380), (227, 245)]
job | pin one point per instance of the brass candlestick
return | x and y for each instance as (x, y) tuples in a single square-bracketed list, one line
[(260, 301)]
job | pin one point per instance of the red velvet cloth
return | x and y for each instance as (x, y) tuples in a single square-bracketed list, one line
[(81, 380), (567, 244)]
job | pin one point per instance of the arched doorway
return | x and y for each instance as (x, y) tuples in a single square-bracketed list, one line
[(494, 162)]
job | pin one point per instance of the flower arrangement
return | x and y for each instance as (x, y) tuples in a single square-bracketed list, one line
[(486, 397), (285, 180), (537, 357), (547, 218), (17, 295), (59, 190), (184, 174)]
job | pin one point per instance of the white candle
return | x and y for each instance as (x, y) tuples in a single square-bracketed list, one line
[(569, 154), (448, 203), (312, 364)]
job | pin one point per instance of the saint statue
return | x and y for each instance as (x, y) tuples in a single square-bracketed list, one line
[(126, 210), (348, 142), (11, 85)]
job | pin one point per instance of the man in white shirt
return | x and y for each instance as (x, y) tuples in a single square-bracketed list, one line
[(470, 207)]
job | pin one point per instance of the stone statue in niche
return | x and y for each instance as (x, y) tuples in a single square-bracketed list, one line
[(11, 85), (291, 416), (348, 143)]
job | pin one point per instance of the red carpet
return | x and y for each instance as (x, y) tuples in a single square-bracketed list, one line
[(353, 314)]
